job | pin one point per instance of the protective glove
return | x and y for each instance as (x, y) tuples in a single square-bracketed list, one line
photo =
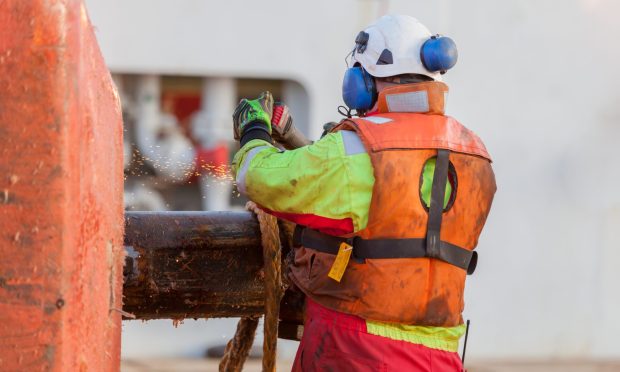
[(253, 115), (281, 121), (284, 132)]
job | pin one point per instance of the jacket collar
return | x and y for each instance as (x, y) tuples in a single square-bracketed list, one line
[(427, 97)]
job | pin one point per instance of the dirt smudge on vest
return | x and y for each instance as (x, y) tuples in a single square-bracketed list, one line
[(480, 222), (438, 310), (388, 170)]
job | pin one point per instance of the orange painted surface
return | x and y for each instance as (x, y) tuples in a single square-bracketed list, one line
[(61, 212)]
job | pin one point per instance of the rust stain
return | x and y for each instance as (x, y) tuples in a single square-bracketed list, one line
[(438, 311), (60, 303), (13, 179)]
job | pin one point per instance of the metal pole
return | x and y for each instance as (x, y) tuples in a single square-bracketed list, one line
[(193, 265)]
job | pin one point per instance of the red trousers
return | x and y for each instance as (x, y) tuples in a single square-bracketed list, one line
[(335, 341)]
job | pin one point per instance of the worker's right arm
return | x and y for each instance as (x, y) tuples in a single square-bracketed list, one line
[(326, 185)]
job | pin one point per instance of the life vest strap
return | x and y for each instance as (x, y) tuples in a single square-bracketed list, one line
[(435, 212), (387, 248)]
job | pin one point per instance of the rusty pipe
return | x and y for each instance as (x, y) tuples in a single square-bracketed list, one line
[(192, 265)]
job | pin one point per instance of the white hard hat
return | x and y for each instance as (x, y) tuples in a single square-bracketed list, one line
[(391, 46)]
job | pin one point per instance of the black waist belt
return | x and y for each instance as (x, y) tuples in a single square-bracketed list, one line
[(387, 248)]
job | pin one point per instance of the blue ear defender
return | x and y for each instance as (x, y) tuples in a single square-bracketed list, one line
[(358, 89), (439, 54)]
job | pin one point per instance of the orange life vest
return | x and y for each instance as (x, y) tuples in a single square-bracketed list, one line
[(425, 288)]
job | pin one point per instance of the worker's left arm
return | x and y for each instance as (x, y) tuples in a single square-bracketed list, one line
[(315, 185)]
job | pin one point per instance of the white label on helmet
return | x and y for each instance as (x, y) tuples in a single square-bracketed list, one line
[(408, 102), (377, 119)]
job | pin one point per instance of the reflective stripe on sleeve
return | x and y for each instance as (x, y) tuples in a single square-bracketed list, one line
[(352, 143), (244, 169)]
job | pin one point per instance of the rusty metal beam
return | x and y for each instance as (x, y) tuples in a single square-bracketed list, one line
[(195, 265)]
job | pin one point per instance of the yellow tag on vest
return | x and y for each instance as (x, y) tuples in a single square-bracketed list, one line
[(341, 262)]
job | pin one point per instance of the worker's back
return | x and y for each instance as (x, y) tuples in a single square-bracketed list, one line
[(394, 275)]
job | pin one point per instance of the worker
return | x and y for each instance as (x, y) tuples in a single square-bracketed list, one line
[(389, 206)]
